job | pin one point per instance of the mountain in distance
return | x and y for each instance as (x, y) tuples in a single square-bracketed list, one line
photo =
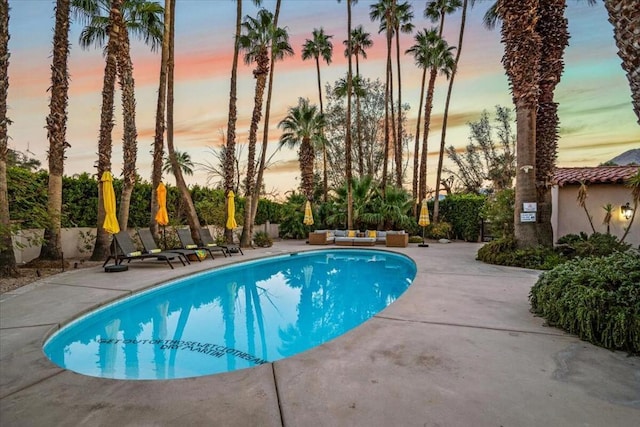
[(629, 157)]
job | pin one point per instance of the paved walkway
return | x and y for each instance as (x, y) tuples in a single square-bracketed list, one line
[(459, 348)]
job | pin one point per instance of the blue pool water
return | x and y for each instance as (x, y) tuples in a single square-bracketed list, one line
[(233, 317)]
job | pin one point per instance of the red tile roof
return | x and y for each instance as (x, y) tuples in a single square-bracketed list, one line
[(594, 175)]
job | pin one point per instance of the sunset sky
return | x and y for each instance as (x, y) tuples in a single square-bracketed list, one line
[(596, 116)]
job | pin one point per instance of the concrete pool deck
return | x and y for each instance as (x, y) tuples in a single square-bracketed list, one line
[(459, 348)]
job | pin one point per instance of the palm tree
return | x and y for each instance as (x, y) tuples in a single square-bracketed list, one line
[(440, 60), (436, 203), (522, 45), (401, 23), (7, 257), (320, 46), (360, 42), (624, 15), (383, 11), (158, 140), (112, 22), (275, 55), (260, 35), (348, 162), (184, 162), (303, 127), (230, 160), (57, 130), (192, 216), (420, 51)]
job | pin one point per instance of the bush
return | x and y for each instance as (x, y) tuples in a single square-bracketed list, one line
[(441, 230), (462, 211), (504, 252), (596, 298), (415, 239), (597, 244), (262, 239), (498, 210)]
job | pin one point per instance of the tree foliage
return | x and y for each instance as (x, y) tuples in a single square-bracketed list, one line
[(486, 163)]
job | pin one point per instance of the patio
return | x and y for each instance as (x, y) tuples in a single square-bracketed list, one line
[(459, 348)]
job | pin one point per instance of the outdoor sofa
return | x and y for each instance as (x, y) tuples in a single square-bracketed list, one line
[(355, 238)]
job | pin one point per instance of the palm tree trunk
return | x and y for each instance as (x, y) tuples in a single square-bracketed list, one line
[(525, 232), (130, 133), (158, 141), (325, 176), (399, 135), (261, 75), (387, 141), (348, 133), (230, 159), (443, 137), (101, 248), (7, 257), (57, 131), (425, 138), (416, 149), (359, 125), (624, 15), (192, 216), (265, 131)]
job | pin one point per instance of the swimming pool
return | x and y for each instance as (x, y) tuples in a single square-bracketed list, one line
[(233, 317)]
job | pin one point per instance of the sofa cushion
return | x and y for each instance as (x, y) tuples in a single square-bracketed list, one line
[(340, 233)]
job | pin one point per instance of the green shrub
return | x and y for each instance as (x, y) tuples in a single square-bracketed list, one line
[(504, 252), (462, 211), (597, 244), (441, 230), (262, 239), (415, 239), (498, 210), (596, 298)]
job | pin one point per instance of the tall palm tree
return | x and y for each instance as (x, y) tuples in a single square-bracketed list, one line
[(276, 55), (401, 23), (192, 216), (158, 139), (302, 127), (439, 60), (522, 48), (436, 11), (230, 160), (383, 12), (436, 203), (112, 22), (348, 160), (260, 35), (7, 257), (420, 51), (624, 15), (57, 130), (320, 47), (360, 42)]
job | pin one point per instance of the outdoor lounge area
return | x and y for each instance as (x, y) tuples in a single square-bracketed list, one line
[(393, 238)]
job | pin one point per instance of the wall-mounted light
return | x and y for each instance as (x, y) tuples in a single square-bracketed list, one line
[(626, 211)]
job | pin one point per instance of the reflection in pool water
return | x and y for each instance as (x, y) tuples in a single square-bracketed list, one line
[(233, 317)]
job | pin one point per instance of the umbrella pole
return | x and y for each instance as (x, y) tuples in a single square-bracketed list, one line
[(164, 236)]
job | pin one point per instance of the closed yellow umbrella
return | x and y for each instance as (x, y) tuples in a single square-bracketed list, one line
[(162, 217), (109, 198), (308, 214), (423, 220), (231, 211)]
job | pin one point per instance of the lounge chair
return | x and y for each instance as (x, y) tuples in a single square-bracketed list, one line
[(207, 239), (184, 234), (126, 250), (149, 244)]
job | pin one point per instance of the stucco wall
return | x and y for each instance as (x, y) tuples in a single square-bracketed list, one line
[(569, 218)]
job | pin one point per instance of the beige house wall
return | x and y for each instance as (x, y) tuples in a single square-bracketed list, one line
[(569, 218)]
